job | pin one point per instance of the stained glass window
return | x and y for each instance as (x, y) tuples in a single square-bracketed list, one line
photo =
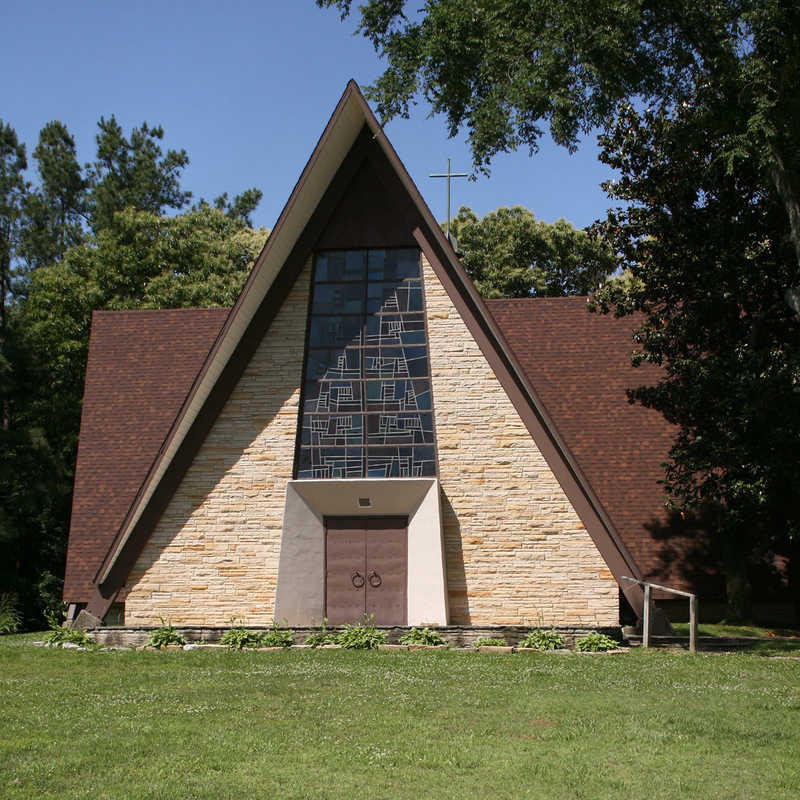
[(366, 404)]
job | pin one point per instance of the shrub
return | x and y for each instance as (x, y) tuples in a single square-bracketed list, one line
[(322, 636), (165, 635), (9, 615), (361, 636), (63, 635), (239, 638), (595, 643), (543, 640), (423, 636), (275, 637), (319, 638), (49, 589), (488, 641), (59, 634)]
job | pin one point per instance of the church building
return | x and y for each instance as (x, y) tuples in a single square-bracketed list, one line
[(362, 433)]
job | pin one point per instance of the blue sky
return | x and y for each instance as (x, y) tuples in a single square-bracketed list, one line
[(246, 88)]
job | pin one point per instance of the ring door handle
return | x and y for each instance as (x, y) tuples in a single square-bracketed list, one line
[(375, 580), (357, 579)]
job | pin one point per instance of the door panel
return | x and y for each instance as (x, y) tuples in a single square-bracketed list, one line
[(345, 572), (366, 569), (386, 573)]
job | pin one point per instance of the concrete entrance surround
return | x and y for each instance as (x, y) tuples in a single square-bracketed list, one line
[(300, 597)]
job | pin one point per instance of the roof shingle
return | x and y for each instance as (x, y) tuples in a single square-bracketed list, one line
[(141, 365)]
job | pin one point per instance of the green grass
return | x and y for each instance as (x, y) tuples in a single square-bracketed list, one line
[(342, 724), (767, 641), (722, 629)]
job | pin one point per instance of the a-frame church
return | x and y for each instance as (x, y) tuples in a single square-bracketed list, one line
[(362, 433)]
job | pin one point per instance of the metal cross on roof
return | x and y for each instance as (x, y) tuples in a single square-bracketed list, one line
[(449, 175)]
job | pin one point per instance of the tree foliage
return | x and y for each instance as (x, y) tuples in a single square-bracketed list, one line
[(709, 257), (13, 187), (55, 210), (133, 172), (35, 487), (507, 69), (78, 240), (700, 103), (241, 207), (509, 253)]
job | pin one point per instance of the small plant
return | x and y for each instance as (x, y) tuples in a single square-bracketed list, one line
[(165, 635), (9, 615), (59, 634), (422, 636), (239, 638), (275, 637), (322, 636), (361, 636), (595, 643), (543, 640), (488, 641)]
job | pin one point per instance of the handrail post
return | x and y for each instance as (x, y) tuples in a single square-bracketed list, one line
[(647, 611), (693, 624)]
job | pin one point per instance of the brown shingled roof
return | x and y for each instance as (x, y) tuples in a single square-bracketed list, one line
[(141, 365), (579, 364)]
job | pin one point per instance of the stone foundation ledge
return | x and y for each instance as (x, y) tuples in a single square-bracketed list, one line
[(454, 635)]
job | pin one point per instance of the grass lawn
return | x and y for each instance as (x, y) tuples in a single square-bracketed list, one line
[(765, 641), (724, 629), (343, 724)]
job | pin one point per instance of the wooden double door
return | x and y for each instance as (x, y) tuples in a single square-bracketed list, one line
[(366, 569)]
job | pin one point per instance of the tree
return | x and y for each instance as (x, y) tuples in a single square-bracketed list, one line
[(12, 196), (56, 209), (505, 69), (133, 173), (35, 487), (13, 187), (200, 258), (32, 542), (713, 240), (709, 256), (242, 206), (509, 253)]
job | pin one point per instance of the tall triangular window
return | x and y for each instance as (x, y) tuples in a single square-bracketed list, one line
[(366, 403)]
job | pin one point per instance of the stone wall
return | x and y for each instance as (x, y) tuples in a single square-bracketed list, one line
[(214, 553), (516, 551)]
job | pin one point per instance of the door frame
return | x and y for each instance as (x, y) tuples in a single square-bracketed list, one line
[(301, 566)]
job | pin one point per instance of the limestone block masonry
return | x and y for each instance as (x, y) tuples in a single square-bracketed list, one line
[(516, 551), (213, 555)]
